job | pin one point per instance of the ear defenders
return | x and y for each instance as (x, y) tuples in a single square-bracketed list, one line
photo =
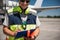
[(18, 9)]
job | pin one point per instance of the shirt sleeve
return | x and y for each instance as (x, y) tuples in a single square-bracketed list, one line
[(6, 20), (37, 22)]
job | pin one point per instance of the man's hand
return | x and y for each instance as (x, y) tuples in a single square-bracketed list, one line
[(15, 33), (33, 34), (30, 34)]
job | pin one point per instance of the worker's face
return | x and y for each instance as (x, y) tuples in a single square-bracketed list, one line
[(24, 3)]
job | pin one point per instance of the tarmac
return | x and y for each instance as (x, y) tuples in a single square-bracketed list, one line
[(49, 29)]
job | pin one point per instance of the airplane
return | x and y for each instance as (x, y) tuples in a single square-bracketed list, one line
[(37, 6)]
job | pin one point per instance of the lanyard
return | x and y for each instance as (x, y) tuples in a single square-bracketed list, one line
[(24, 25)]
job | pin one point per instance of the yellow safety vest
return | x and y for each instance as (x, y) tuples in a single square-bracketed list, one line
[(15, 27)]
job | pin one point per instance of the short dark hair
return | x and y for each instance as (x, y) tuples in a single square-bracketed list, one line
[(27, 1), (19, 0)]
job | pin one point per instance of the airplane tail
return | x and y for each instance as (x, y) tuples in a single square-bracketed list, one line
[(38, 3)]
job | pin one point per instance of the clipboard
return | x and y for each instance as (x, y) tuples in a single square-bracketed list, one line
[(23, 33)]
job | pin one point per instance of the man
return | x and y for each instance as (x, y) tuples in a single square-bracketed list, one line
[(21, 20)]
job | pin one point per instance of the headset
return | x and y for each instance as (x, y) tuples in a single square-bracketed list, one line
[(18, 9)]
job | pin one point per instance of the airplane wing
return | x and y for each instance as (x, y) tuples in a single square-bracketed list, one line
[(46, 8)]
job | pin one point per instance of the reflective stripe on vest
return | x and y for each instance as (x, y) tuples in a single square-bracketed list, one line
[(13, 38), (28, 27)]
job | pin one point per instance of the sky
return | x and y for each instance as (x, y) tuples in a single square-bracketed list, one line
[(54, 12)]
